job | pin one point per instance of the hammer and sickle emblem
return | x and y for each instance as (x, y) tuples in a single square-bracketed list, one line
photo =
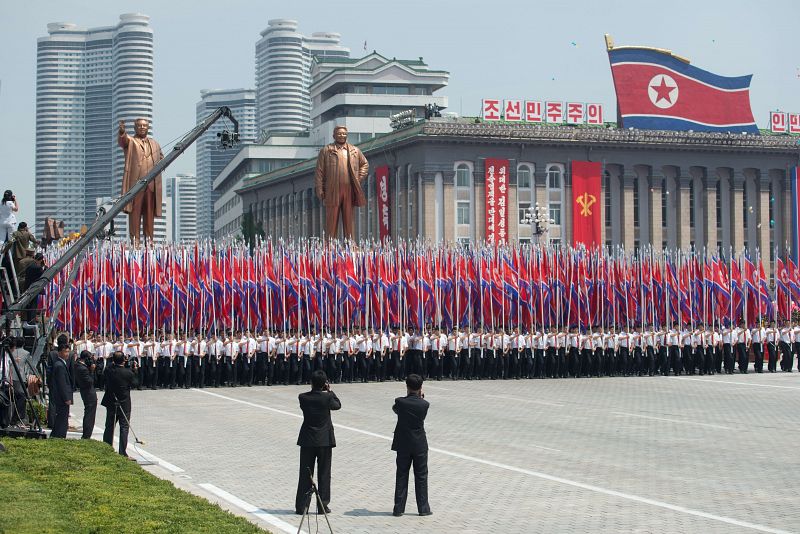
[(586, 201)]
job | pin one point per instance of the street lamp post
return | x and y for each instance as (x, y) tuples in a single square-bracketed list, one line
[(539, 219)]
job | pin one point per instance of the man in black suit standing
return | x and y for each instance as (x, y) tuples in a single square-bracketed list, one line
[(61, 392), (316, 441), (411, 445), (84, 379), (117, 400)]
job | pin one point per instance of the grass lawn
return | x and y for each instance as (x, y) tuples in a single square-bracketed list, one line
[(83, 486)]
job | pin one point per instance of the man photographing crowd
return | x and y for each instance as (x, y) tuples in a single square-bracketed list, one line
[(316, 441), (411, 445), (117, 400)]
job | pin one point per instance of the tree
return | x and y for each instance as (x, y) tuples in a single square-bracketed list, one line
[(251, 230)]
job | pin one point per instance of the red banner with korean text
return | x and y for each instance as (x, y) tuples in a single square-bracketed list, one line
[(382, 196), (496, 200), (586, 203)]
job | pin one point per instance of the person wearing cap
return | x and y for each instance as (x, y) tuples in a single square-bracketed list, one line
[(23, 239), (117, 400)]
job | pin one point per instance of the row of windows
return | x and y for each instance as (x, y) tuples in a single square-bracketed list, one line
[(463, 194)]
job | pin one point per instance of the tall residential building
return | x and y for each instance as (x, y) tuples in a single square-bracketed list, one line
[(181, 190), (362, 93), (87, 80), (211, 157), (283, 75)]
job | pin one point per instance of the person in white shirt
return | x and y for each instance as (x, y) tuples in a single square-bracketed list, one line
[(436, 358), (573, 352), (414, 361), (718, 352), (362, 364), (598, 353), (103, 351), (584, 361), (795, 348), (785, 345), (562, 348), (349, 352), (728, 337), (133, 350), (698, 358), (451, 355), (249, 348), (686, 358), (149, 362), (494, 362), (229, 362), (261, 366), (199, 361), (744, 342), (216, 350), (772, 338), (405, 341), (8, 215), (282, 359), (382, 355), (757, 337), (708, 350), (426, 354)]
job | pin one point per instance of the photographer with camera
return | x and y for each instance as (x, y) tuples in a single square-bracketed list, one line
[(117, 400), (411, 444), (316, 441), (84, 380), (8, 218)]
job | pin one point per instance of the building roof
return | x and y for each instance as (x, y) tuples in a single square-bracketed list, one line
[(473, 130), (357, 65)]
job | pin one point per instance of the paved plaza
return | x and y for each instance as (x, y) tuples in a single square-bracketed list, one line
[(623, 455)]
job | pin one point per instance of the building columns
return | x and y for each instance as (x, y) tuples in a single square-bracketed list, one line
[(628, 182), (684, 211), (736, 210), (711, 236), (764, 227), (656, 222)]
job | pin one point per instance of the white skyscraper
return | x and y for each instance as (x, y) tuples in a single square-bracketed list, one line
[(211, 157), (181, 190), (87, 80), (283, 75)]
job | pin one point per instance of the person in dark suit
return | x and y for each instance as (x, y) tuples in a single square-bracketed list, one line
[(316, 441), (61, 392), (411, 445), (84, 379), (117, 400)]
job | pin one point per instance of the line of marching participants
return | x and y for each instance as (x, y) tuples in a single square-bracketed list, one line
[(245, 358)]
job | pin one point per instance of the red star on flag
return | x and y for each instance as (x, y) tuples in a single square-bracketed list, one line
[(663, 91)]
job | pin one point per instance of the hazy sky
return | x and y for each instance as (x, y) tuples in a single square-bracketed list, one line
[(543, 50)]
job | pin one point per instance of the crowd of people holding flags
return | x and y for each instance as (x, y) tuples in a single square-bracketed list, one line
[(209, 315)]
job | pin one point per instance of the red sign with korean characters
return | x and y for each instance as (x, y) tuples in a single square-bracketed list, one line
[(496, 200), (382, 196)]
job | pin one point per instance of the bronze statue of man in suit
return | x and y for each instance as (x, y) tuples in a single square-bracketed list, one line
[(141, 155), (341, 168)]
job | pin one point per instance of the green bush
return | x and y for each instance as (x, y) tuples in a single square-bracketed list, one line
[(40, 411)]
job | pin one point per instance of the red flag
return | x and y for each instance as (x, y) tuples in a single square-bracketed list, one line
[(586, 203)]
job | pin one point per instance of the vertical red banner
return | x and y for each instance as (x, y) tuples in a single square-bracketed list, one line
[(586, 203), (382, 196), (496, 200)]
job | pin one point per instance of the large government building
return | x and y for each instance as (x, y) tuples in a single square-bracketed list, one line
[(720, 191)]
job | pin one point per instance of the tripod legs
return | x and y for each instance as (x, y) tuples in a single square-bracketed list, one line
[(320, 506)]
